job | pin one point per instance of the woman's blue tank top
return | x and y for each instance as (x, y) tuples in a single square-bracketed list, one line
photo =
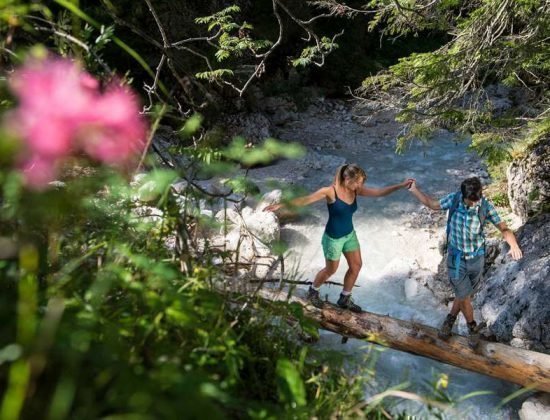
[(339, 217)]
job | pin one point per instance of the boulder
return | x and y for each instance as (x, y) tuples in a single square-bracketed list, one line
[(514, 297), (213, 187), (272, 197), (529, 182), (264, 225), (231, 215)]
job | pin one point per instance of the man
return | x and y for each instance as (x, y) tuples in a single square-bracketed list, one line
[(468, 212)]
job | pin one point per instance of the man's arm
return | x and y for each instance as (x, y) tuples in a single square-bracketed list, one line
[(424, 198), (510, 238), (381, 192)]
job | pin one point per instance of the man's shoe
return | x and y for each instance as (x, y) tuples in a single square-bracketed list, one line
[(346, 302), (447, 327), (473, 334), (314, 298)]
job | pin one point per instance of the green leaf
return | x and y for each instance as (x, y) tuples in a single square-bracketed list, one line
[(290, 384), (192, 125)]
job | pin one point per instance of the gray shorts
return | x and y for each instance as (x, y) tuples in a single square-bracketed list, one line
[(465, 280)]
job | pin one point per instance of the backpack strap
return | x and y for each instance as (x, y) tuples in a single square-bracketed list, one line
[(454, 205), (482, 213)]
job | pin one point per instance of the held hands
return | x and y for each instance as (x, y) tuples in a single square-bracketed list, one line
[(408, 183)]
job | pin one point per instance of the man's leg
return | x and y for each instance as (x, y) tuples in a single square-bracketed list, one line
[(467, 309), (456, 277), (457, 304)]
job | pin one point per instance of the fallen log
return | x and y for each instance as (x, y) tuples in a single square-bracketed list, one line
[(522, 367), (296, 282)]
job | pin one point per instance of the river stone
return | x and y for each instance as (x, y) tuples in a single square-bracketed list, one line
[(536, 407), (162, 143), (272, 197), (180, 186), (262, 224), (529, 182), (229, 215), (515, 295), (266, 267), (213, 187)]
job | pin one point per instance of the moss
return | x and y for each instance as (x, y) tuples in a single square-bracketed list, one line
[(533, 195)]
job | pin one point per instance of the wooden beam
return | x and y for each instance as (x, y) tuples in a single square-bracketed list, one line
[(522, 367)]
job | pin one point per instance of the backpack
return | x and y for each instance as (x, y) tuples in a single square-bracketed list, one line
[(482, 212)]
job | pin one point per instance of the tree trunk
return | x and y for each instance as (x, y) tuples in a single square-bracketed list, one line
[(523, 367)]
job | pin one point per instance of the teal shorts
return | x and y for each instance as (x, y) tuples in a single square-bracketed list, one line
[(333, 248)]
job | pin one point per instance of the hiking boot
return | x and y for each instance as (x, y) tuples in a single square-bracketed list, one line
[(314, 298), (446, 328), (473, 334), (346, 302)]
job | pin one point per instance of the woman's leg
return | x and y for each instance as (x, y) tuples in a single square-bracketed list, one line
[(323, 275), (354, 262)]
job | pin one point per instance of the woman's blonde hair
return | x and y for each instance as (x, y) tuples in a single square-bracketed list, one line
[(349, 171)]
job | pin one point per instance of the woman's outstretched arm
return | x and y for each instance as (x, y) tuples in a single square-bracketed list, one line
[(381, 192), (302, 201)]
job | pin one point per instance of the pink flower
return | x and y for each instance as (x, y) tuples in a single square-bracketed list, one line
[(120, 134), (38, 172), (62, 112)]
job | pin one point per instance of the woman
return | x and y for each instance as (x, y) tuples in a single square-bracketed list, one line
[(339, 237)]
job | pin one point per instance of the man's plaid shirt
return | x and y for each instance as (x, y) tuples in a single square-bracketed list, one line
[(465, 232)]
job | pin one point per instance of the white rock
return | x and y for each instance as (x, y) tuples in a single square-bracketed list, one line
[(263, 224), (232, 216), (536, 408), (247, 251), (180, 186)]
